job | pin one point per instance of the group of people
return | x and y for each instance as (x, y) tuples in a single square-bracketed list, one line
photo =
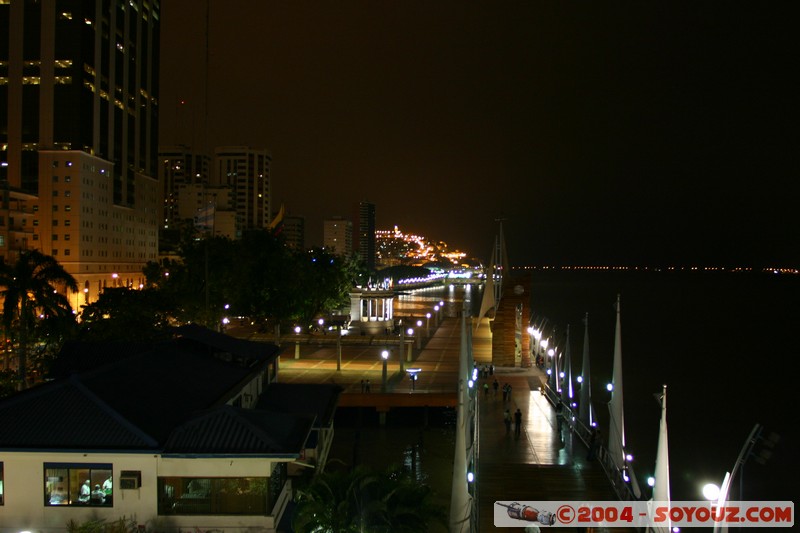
[(517, 420), (365, 386), (97, 496)]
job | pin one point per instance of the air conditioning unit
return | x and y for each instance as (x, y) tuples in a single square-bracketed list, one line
[(129, 482)]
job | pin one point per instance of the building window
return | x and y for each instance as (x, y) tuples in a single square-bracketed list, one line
[(55, 179), (67, 179), (55, 193), (67, 222), (36, 209), (78, 484), (54, 252), (66, 251), (66, 236), (55, 222), (212, 496), (55, 236), (67, 193), (67, 208), (35, 236), (55, 207), (35, 221)]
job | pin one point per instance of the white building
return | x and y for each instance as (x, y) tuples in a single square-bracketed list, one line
[(192, 433)]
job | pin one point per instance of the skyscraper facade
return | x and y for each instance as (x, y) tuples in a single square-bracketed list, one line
[(294, 231), (366, 234), (179, 167), (337, 235), (247, 171), (78, 136)]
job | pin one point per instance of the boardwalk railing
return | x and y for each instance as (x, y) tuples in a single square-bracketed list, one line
[(621, 487)]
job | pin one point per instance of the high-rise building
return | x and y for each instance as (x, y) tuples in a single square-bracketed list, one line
[(294, 231), (79, 136), (179, 166), (337, 235), (366, 234), (247, 171)]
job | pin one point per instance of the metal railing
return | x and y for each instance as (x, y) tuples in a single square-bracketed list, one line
[(621, 488)]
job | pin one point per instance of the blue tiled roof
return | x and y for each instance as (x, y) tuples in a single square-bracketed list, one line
[(318, 399), (241, 431), (171, 395)]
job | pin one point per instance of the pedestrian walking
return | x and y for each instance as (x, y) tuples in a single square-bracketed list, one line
[(363, 386), (485, 389), (505, 392), (366, 386), (509, 392), (491, 369), (495, 386), (507, 420), (517, 422)]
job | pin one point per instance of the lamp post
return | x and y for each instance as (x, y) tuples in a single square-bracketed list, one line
[(339, 350), (436, 316), (86, 296), (412, 374), (297, 342), (410, 334), (419, 334), (385, 357), (400, 351), (321, 323), (427, 324)]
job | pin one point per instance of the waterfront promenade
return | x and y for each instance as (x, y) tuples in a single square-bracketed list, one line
[(543, 463)]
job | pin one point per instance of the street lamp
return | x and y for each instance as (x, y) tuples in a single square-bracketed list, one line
[(419, 334), (436, 316), (400, 351), (385, 357), (412, 374), (427, 324), (321, 323), (297, 342), (339, 350), (410, 334)]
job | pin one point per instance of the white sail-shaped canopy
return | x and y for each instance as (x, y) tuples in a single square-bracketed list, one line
[(567, 394), (586, 412), (616, 437), (661, 486), (488, 301), (502, 265), (460, 499)]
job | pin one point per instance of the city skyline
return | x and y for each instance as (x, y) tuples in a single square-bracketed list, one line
[(641, 134)]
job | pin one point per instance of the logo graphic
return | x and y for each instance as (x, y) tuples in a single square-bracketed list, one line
[(529, 514)]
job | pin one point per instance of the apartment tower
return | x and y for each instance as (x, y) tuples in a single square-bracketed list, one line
[(337, 235), (78, 136), (366, 234)]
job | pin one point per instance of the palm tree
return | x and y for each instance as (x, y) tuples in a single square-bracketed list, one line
[(30, 289), (364, 500)]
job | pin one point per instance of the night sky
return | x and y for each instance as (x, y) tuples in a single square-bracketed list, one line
[(636, 133)]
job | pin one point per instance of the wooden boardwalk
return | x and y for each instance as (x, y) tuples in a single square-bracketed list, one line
[(542, 464)]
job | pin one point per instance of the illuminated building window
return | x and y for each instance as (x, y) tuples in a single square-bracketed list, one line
[(78, 484)]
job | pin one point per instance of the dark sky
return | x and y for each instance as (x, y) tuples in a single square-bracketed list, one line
[(602, 132)]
